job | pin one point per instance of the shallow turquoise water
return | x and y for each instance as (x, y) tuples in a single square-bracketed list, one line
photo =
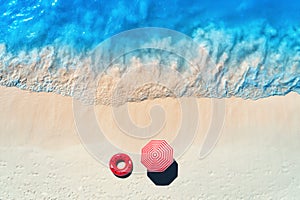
[(84, 24), (257, 42)]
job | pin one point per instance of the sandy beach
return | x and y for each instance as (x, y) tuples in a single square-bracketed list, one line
[(256, 157)]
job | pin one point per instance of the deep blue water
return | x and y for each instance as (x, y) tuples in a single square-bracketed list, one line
[(85, 23)]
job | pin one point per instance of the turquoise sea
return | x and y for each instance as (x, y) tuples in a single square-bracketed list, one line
[(254, 45)]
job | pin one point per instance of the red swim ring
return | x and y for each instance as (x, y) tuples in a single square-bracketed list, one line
[(121, 172)]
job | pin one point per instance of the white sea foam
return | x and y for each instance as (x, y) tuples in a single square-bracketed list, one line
[(230, 62)]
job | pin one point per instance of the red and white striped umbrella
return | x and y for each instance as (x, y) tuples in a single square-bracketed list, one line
[(157, 156)]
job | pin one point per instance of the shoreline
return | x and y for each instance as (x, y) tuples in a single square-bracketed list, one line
[(22, 110)]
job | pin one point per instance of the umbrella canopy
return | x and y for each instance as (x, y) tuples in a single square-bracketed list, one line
[(157, 156)]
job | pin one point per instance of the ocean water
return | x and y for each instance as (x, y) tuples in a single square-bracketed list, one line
[(253, 46)]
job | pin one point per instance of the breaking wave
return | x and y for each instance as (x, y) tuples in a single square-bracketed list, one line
[(51, 46)]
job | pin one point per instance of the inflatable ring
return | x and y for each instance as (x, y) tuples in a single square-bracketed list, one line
[(121, 172)]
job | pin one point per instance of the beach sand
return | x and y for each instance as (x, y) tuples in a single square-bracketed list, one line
[(256, 157)]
